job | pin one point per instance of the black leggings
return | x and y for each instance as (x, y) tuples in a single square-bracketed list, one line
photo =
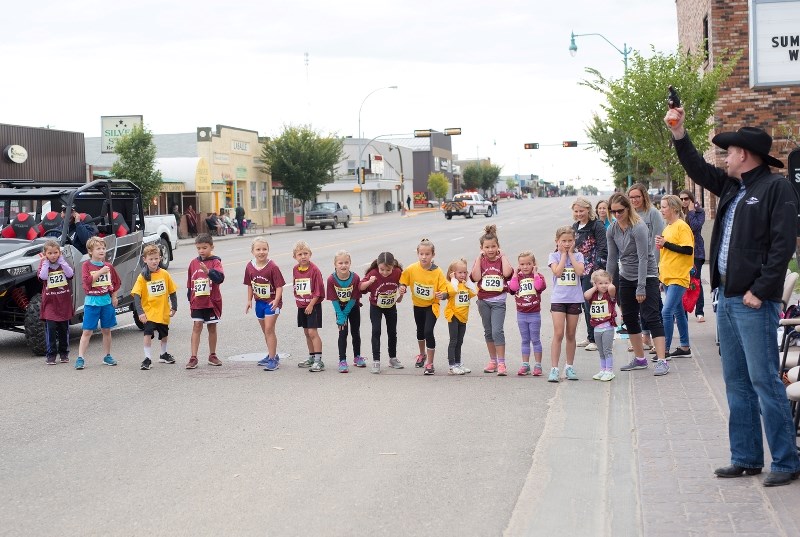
[(649, 309), (56, 337), (354, 322), (457, 330), (375, 314), (426, 320)]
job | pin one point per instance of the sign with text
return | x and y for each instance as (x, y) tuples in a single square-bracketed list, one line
[(113, 128), (774, 43), (794, 177)]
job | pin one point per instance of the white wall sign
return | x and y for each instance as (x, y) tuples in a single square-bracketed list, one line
[(774, 42), (16, 154), (240, 147), (114, 127)]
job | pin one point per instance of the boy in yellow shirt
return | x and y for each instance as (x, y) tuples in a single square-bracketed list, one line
[(155, 300)]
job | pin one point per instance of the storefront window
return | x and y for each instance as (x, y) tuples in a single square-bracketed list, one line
[(253, 196), (264, 195)]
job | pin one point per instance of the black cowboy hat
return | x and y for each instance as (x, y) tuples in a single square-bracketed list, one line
[(751, 138)]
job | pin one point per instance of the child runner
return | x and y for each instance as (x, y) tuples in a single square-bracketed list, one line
[(56, 309), (527, 286), (428, 286), (265, 283), (602, 299), (155, 299), (456, 312), (309, 292), (491, 271), (345, 295), (567, 300), (100, 285), (205, 299), (383, 281)]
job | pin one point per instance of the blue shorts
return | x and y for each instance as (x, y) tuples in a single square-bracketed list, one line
[(105, 314), (263, 309)]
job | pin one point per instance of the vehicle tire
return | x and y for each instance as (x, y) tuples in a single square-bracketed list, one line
[(34, 327), (309, 228), (166, 252), (470, 213), (139, 324), (489, 212), (346, 223), (448, 216), (335, 223)]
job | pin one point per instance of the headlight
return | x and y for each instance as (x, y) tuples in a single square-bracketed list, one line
[(18, 271)]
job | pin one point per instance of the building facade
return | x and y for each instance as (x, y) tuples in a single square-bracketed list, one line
[(720, 28), (42, 154)]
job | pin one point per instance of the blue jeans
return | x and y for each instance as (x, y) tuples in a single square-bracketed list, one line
[(673, 311), (750, 362)]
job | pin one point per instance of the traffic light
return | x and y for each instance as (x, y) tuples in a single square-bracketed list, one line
[(531, 146), (570, 143)]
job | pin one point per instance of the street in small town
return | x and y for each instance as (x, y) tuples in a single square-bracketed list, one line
[(236, 450)]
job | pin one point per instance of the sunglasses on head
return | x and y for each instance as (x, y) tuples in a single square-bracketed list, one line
[(617, 211)]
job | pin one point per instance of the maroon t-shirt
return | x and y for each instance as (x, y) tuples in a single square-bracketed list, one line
[(105, 285), (344, 294), (492, 283), (529, 295), (384, 292), (601, 309), (56, 294), (203, 293), (264, 281), (307, 285)]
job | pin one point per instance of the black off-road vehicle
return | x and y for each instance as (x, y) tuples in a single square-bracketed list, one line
[(31, 213)]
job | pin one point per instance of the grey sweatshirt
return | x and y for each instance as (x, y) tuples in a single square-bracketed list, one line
[(630, 249), (655, 226)]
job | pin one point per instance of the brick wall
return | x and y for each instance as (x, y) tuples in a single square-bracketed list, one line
[(772, 109)]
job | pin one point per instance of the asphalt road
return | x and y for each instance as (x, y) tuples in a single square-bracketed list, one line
[(239, 451)]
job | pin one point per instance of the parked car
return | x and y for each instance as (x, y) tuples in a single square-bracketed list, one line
[(166, 228), (506, 195), (327, 213), (467, 204), (30, 214)]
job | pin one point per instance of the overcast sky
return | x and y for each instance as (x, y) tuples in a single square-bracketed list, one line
[(499, 70)]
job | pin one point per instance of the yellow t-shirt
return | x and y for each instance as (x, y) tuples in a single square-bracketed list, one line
[(673, 268), (458, 303), (424, 284), (155, 295)]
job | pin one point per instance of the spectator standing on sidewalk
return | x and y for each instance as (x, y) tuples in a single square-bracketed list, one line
[(751, 245), (240, 218), (695, 216), (590, 240)]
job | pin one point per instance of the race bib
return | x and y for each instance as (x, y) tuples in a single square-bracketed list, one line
[(202, 287), (492, 283), (261, 290), (424, 292), (344, 293), (56, 279), (599, 309), (386, 300), (157, 288), (568, 277), (302, 286), (526, 288), (462, 299), (103, 280)]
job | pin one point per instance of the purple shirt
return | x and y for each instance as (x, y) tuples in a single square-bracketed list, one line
[(566, 289)]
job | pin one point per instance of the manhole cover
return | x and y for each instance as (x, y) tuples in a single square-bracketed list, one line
[(254, 357)]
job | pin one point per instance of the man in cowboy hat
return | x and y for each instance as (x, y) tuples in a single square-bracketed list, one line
[(751, 245)]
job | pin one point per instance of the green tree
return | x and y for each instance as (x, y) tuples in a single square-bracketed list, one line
[(438, 184), (511, 184), (302, 160), (473, 176), (137, 163), (612, 145), (636, 104), (489, 175)]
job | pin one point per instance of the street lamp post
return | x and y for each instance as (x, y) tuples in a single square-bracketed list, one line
[(361, 150), (402, 201), (625, 50)]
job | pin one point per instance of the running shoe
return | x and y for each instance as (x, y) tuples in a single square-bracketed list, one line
[(108, 360), (192, 363), (599, 375), (553, 377), (661, 369), (501, 370), (263, 361), (272, 364), (608, 375), (680, 353), (146, 364), (376, 367), (667, 356), (317, 367), (537, 370), (359, 361), (634, 364), (308, 362), (343, 366), (419, 360), (592, 346), (51, 360), (465, 368), (491, 367), (525, 369), (394, 363), (166, 358), (64, 358), (569, 372), (457, 370), (79, 363), (429, 370), (583, 343), (213, 360)]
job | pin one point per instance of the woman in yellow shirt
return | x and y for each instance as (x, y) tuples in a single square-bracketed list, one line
[(427, 284), (677, 259)]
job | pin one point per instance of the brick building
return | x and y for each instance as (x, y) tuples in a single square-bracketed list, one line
[(723, 27)]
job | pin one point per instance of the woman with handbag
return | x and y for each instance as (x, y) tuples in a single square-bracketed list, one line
[(695, 216)]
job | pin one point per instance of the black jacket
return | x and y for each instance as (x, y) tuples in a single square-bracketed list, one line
[(591, 242), (763, 235)]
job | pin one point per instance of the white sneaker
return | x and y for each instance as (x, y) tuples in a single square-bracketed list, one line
[(457, 370), (465, 369), (394, 363), (591, 347), (583, 343), (376, 367), (598, 375), (607, 375)]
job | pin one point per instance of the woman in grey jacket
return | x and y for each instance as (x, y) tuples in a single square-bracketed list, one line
[(638, 291)]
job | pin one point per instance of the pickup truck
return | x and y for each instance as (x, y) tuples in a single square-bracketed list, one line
[(165, 226), (327, 213), (467, 204)]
